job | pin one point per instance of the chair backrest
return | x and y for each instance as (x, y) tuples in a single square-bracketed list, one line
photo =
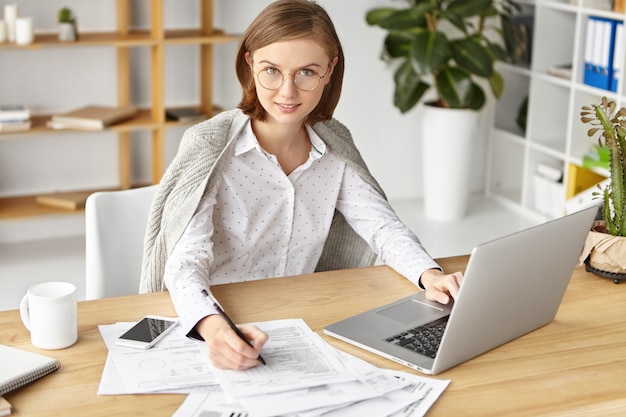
[(115, 225)]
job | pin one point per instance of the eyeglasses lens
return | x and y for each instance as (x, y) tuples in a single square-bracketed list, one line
[(274, 80)]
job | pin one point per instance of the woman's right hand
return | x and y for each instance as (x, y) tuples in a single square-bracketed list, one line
[(226, 350)]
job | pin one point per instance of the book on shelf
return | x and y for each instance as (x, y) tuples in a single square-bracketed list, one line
[(563, 71), (21, 367), (185, 114), (15, 125), (15, 112), (65, 201), (619, 6), (91, 117)]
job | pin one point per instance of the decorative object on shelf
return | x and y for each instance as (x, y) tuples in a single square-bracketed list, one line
[(68, 31), (520, 37), (522, 115), (10, 16), (604, 253), (24, 32), (3, 31), (562, 71), (451, 63), (185, 114)]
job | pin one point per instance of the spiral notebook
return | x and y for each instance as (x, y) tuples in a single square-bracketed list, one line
[(19, 367)]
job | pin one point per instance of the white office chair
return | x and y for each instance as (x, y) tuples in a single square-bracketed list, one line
[(115, 224)]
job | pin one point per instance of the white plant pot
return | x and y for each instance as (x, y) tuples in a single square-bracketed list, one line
[(67, 32), (448, 138)]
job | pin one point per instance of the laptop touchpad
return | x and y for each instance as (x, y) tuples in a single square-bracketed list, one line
[(410, 311)]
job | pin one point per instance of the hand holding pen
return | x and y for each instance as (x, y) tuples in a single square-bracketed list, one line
[(231, 323)]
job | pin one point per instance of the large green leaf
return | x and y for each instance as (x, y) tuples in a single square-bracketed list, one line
[(461, 12), (429, 51), (470, 55), (496, 81), (478, 98), (398, 44), (376, 15), (398, 19), (455, 87), (469, 8), (409, 87)]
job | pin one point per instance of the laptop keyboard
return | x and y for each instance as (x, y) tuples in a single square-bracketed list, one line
[(422, 339)]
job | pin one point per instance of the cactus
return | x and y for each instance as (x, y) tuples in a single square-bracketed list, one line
[(611, 126)]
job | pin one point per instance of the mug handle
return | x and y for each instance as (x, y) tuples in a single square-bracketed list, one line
[(24, 312)]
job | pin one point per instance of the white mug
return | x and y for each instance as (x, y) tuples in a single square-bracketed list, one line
[(48, 311)]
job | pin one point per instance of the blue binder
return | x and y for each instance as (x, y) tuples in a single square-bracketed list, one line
[(617, 55), (598, 56)]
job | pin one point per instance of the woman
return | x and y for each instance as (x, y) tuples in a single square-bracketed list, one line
[(275, 187)]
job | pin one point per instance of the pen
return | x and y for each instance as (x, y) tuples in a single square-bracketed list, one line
[(230, 323)]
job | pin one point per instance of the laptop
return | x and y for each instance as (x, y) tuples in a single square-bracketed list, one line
[(511, 286)]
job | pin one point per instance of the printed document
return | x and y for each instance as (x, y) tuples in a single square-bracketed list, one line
[(175, 364), (296, 358)]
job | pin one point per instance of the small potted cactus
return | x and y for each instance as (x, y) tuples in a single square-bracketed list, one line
[(605, 250), (67, 25)]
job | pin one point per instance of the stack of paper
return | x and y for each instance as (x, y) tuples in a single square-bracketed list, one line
[(304, 377)]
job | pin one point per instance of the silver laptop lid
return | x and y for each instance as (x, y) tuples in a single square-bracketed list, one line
[(513, 285)]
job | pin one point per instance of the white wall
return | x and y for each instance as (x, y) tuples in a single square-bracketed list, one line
[(60, 79)]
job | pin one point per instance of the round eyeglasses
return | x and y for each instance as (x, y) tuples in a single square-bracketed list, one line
[(305, 79)]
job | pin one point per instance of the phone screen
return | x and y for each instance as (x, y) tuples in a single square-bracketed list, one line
[(147, 329)]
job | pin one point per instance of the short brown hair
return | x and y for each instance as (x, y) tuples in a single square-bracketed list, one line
[(285, 20)]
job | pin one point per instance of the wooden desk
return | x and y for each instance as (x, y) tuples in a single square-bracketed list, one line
[(574, 366)]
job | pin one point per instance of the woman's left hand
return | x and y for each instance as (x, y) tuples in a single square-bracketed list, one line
[(441, 287)]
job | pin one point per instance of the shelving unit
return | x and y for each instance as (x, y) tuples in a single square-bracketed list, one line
[(553, 136), (152, 119)]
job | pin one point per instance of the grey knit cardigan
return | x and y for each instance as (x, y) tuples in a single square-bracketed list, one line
[(194, 172)]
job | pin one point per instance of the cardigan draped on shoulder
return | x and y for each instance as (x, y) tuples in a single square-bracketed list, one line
[(194, 171)]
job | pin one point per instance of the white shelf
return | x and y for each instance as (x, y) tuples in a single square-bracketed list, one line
[(554, 133)]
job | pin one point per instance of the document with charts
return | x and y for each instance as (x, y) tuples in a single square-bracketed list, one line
[(175, 364)]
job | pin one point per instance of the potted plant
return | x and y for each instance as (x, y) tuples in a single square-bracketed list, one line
[(605, 250), (67, 25), (446, 46)]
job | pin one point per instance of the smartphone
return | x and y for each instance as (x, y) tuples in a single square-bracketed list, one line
[(147, 332)]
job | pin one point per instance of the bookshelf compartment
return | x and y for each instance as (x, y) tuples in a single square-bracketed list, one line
[(507, 167), (553, 46), (548, 114), (516, 92), (545, 189)]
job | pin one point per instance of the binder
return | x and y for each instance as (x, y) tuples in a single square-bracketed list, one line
[(599, 52), (618, 55), (606, 44), (590, 33)]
